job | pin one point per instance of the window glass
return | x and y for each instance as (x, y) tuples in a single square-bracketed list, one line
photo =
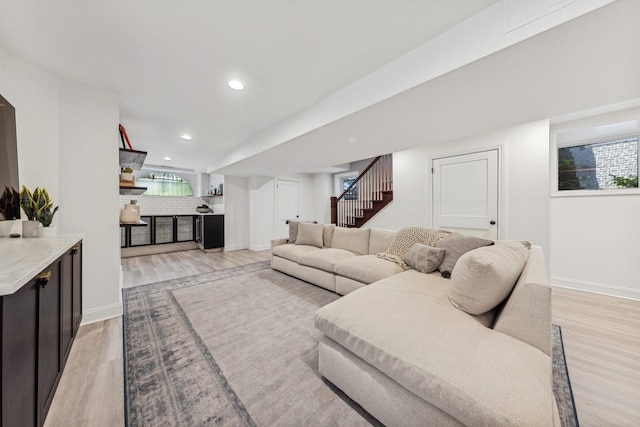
[(604, 165), (165, 184)]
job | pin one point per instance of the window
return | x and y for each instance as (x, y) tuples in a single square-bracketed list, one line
[(597, 155), (605, 165), (165, 184)]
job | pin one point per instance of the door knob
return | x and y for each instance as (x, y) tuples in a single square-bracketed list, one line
[(492, 222)]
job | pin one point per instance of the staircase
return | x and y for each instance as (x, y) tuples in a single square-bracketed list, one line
[(366, 196)]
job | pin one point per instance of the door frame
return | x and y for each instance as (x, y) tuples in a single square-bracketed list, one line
[(501, 230), (275, 202)]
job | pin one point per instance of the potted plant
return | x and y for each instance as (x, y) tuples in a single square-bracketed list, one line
[(9, 209), (38, 208), (126, 174)]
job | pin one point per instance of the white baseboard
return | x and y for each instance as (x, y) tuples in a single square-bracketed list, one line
[(101, 313), (260, 247), (235, 247), (597, 288)]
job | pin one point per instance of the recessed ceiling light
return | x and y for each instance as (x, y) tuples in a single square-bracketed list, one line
[(236, 84), (186, 137), (166, 158)]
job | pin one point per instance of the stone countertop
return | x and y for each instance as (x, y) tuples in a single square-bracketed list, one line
[(22, 259)]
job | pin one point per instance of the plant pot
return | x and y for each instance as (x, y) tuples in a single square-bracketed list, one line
[(47, 232), (30, 228), (126, 176)]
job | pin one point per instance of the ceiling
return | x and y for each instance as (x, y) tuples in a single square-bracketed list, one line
[(169, 62)]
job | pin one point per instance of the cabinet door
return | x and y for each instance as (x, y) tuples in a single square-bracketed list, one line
[(213, 231), (185, 228), (163, 229), (76, 253), (49, 340), (139, 236), (19, 356), (66, 303)]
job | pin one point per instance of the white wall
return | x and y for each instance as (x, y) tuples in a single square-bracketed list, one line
[(594, 237), (524, 182), (322, 191), (89, 198), (67, 133), (262, 195), (237, 215)]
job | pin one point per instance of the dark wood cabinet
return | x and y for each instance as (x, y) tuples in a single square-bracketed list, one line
[(39, 323)]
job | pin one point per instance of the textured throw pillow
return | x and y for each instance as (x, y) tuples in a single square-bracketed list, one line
[(309, 234), (456, 246), (409, 236), (484, 277), (423, 258)]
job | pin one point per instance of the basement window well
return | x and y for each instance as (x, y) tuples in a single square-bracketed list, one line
[(165, 184), (597, 160)]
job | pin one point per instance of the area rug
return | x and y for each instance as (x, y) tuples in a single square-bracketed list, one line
[(238, 347)]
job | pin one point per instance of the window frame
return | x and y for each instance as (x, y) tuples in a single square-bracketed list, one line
[(584, 125)]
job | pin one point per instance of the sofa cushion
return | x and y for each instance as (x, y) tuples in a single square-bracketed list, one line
[(351, 239), (405, 327), (310, 234), (367, 268), (423, 258), (380, 240), (325, 259), (456, 246), (484, 277), (292, 252), (407, 237), (327, 234)]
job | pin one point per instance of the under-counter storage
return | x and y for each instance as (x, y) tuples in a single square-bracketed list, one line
[(210, 231), (39, 323), (161, 229)]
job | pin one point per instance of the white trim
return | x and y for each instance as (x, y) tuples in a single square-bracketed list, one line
[(260, 247), (101, 313), (597, 288), (235, 247)]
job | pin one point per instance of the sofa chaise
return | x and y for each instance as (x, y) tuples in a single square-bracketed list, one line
[(420, 349)]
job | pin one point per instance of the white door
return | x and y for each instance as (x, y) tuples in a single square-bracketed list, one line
[(287, 205), (465, 193)]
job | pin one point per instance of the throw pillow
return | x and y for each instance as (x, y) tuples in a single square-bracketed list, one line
[(293, 229), (309, 234), (456, 246), (484, 277), (409, 236), (423, 258)]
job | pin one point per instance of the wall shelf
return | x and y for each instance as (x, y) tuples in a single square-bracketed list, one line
[(140, 223), (132, 191), (133, 159), (209, 198)]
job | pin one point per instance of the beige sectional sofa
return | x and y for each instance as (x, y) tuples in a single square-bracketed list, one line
[(345, 261), (400, 348)]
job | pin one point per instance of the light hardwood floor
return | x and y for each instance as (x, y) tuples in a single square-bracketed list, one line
[(601, 337)]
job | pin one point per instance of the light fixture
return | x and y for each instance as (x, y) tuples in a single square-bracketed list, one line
[(236, 84), (166, 158), (186, 137)]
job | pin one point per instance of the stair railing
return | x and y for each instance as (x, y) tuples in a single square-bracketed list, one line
[(363, 193)]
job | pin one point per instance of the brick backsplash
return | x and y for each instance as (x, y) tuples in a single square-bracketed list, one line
[(163, 205)]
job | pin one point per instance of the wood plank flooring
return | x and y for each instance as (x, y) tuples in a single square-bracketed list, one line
[(602, 347), (601, 337)]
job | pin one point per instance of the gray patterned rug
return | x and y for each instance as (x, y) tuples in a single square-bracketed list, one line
[(238, 347)]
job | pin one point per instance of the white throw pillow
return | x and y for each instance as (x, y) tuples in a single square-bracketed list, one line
[(355, 240), (309, 234), (484, 277)]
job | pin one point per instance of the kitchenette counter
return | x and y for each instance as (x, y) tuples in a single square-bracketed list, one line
[(22, 259)]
